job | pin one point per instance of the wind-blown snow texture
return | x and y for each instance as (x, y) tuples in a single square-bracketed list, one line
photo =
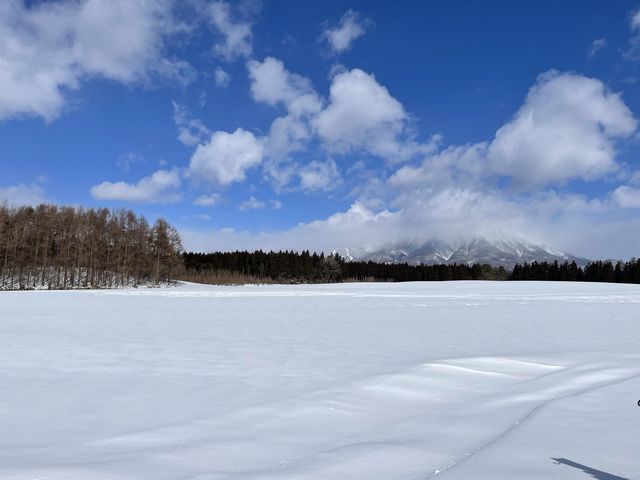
[(463, 380)]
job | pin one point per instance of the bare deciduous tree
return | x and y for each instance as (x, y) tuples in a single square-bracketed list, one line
[(65, 247)]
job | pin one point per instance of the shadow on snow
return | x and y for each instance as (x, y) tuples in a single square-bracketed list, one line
[(598, 474)]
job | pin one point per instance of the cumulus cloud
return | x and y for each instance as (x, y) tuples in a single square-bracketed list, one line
[(350, 27), (273, 85), (363, 116), (627, 197), (160, 187), (50, 48), (287, 134), (222, 78), (223, 158), (226, 157), (235, 34), (565, 129), (21, 194)]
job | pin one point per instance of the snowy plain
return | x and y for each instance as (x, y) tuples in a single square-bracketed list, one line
[(451, 380)]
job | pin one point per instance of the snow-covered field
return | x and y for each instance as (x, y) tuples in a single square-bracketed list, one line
[(454, 380)]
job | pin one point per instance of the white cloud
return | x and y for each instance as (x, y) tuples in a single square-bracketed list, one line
[(288, 134), (22, 195), (221, 78), (565, 129), (160, 187), (207, 200), (319, 176), (461, 165), (627, 197), (252, 203), (597, 45), (226, 157), (341, 37), (352, 227), (272, 84), (570, 222), (50, 48), (191, 131), (236, 36), (363, 116)]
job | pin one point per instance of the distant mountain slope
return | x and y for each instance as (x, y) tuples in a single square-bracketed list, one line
[(506, 252)]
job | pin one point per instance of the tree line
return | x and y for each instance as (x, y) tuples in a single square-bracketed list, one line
[(54, 247), (598, 271), (259, 266), (306, 267)]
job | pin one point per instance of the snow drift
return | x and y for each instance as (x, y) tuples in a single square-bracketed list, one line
[(453, 380)]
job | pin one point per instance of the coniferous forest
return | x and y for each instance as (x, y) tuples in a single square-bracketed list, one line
[(597, 271), (65, 247), (306, 267)]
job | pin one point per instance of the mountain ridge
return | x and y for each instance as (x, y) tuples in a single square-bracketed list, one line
[(499, 251)]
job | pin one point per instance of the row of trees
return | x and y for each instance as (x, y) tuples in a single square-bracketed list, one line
[(306, 267), (599, 271), (259, 266), (65, 247), (403, 272)]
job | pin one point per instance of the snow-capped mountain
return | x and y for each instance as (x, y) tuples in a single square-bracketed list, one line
[(502, 251)]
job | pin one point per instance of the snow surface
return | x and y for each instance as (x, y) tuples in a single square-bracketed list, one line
[(452, 380)]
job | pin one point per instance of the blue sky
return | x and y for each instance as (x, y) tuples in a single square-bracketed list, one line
[(270, 125)]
